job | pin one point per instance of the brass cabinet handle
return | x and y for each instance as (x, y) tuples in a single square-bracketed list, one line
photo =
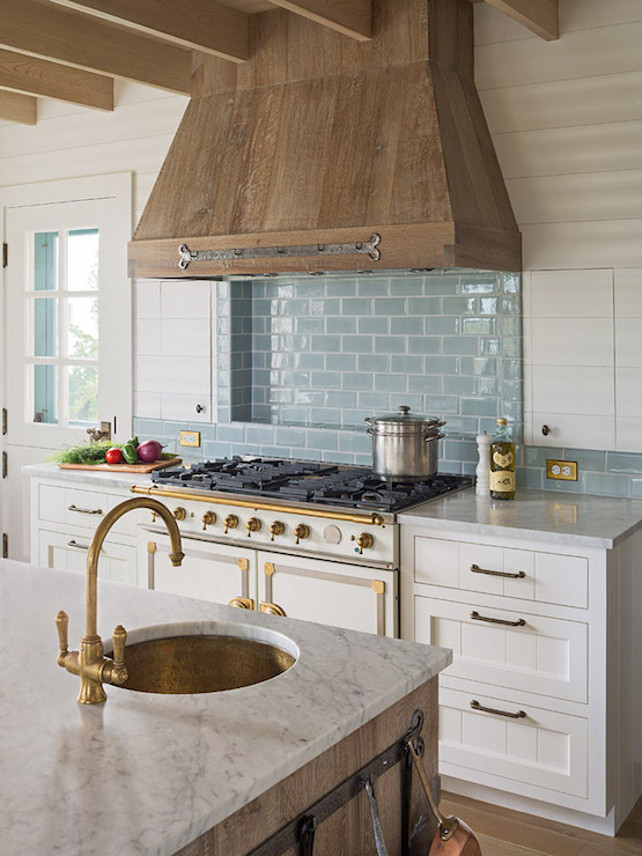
[(242, 602), (77, 546), (85, 510), (519, 575), (272, 609), (520, 622), (477, 706)]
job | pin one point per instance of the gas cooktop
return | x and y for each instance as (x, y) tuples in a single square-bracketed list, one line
[(307, 482)]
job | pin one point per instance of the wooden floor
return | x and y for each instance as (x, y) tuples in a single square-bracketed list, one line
[(508, 833)]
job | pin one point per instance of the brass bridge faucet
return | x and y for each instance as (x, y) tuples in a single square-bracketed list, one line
[(90, 663)]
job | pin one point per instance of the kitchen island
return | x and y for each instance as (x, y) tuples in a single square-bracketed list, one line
[(160, 774)]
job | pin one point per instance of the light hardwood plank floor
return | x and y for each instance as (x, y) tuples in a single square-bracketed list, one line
[(502, 832)]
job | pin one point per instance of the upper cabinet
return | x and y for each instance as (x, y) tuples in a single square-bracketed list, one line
[(583, 358)]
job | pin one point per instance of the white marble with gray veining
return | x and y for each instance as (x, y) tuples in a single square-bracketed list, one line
[(147, 774), (582, 520), (103, 478)]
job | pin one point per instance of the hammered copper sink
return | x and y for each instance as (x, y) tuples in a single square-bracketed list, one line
[(204, 658)]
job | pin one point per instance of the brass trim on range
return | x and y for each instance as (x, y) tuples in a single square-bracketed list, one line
[(244, 567), (242, 602), (272, 609), (365, 519)]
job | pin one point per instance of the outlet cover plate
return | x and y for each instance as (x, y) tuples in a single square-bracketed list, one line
[(190, 438), (564, 470)]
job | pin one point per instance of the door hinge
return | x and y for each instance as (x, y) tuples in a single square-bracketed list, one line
[(4, 420), (5, 255), (4, 465), (5, 545)]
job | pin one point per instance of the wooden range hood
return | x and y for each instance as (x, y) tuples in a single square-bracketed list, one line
[(319, 140)]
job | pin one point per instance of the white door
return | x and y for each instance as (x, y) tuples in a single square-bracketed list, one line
[(68, 320)]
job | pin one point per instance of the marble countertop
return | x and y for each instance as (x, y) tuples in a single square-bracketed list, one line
[(592, 521), (104, 478), (147, 774)]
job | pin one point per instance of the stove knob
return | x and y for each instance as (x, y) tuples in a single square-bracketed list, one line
[(231, 522), (364, 541), (301, 532), (276, 528), (179, 513), (252, 525), (208, 519)]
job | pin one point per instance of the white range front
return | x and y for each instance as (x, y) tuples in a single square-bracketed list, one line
[(333, 566)]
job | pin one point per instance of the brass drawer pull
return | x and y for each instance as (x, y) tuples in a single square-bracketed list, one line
[(77, 546), (477, 706), (519, 575), (520, 622), (85, 510)]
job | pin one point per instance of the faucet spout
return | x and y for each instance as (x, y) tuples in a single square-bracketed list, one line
[(90, 663)]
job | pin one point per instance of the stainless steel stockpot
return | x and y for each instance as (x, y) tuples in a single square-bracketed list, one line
[(404, 447)]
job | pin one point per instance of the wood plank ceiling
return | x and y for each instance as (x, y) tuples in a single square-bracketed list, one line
[(72, 50)]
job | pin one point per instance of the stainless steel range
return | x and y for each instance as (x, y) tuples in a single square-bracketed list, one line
[(311, 540)]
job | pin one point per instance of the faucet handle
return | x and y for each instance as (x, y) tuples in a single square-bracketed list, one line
[(119, 638), (62, 623)]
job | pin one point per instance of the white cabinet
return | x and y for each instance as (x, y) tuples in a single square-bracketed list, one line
[(540, 709), (64, 517)]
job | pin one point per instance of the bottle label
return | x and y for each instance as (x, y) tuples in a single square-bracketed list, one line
[(504, 462), (502, 481)]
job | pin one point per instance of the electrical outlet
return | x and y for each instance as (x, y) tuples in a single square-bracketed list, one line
[(565, 470), (190, 438)]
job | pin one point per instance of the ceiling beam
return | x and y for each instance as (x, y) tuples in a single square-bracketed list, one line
[(351, 17), (15, 107), (33, 76), (202, 25), (42, 30), (540, 16)]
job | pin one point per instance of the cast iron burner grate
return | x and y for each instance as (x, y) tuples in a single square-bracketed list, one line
[(308, 482)]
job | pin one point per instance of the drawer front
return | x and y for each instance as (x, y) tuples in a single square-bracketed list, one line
[(213, 572), (544, 748), (525, 574), (82, 508), (118, 562), (547, 656)]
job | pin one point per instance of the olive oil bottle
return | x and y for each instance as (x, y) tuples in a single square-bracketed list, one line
[(502, 463)]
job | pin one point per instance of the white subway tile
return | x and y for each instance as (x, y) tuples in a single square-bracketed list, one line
[(629, 435), (628, 387), (186, 338), (628, 293), (146, 298), (147, 341), (576, 390), (572, 293), (185, 299), (147, 377), (147, 405), (189, 375), (180, 406), (628, 342), (572, 341)]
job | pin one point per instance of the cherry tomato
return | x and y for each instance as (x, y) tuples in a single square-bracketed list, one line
[(113, 456)]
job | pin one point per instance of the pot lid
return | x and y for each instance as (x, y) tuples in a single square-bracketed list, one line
[(404, 421)]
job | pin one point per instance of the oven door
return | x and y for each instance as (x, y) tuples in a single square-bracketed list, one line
[(343, 595)]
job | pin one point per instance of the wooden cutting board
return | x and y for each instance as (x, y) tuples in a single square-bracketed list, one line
[(123, 468)]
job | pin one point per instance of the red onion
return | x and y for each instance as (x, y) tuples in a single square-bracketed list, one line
[(149, 451)]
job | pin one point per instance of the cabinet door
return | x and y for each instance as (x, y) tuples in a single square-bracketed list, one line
[(508, 647), (329, 593), (64, 552), (213, 572)]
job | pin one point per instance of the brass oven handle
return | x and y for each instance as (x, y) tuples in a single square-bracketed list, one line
[(519, 575), (77, 546), (520, 622), (272, 609), (477, 706), (85, 510)]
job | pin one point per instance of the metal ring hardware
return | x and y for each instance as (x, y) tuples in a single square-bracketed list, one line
[(520, 622), (477, 706), (519, 575), (85, 510), (77, 546)]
